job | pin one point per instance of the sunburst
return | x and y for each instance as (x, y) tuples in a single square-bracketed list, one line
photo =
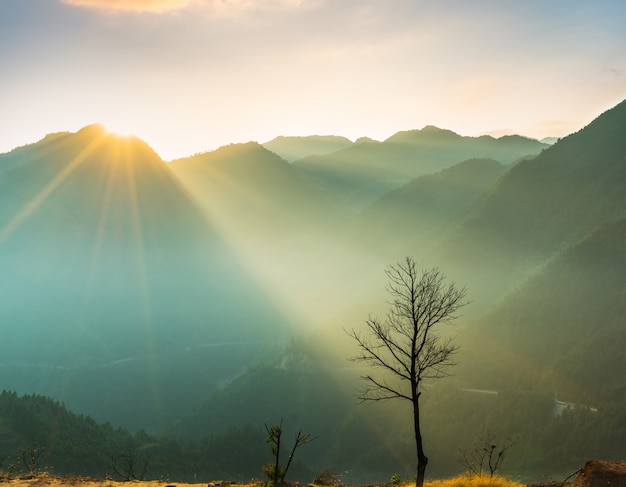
[(31, 206)]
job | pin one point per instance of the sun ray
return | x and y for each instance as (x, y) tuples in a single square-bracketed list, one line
[(275, 265), (30, 207), (130, 167)]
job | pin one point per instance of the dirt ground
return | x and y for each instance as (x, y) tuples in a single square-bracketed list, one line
[(86, 482)]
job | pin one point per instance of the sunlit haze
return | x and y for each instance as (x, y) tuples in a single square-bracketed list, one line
[(189, 76), (222, 217)]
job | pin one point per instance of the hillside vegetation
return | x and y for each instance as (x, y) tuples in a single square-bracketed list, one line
[(192, 303)]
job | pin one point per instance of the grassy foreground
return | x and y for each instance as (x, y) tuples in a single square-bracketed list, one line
[(474, 481), (50, 481)]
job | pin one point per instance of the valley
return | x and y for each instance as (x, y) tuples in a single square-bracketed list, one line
[(179, 306)]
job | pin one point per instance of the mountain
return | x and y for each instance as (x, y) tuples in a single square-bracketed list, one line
[(550, 140), (541, 206), (563, 329), (420, 210), (80, 446), (115, 285), (260, 193), (42, 435), (294, 148), (179, 297), (307, 395), (360, 174), (280, 224)]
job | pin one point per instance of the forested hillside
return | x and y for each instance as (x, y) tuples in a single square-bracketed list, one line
[(536, 247), (39, 435), (542, 206), (566, 323), (424, 208), (203, 299), (294, 148), (360, 174), (115, 283)]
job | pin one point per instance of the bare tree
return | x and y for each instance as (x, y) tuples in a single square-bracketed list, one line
[(129, 466), (405, 346), (30, 455), (274, 471), (487, 453)]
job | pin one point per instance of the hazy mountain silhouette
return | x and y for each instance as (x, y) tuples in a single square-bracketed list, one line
[(128, 283), (542, 205), (555, 228), (315, 399), (550, 140), (113, 279), (293, 148), (563, 330), (363, 172), (422, 208), (260, 193), (278, 222)]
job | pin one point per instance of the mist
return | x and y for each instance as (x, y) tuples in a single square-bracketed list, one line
[(198, 299)]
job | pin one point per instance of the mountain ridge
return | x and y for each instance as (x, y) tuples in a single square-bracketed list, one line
[(292, 148), (543, 204), (103, 251), (361, 173), (216, 288)]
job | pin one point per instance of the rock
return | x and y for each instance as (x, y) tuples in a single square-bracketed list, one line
[(599, 473)]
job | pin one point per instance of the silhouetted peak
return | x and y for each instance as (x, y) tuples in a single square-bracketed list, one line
[(517, 138), (134, 148), (549, 140), (93, 130), (241, 156), (292, 148), (239, 151), (243, 147), (604, 136), (428, 133), (365, 140), (434, 130), (304, 138), (612, 120)]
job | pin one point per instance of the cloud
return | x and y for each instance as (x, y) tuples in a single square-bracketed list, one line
[(153, 6), (161, 6)]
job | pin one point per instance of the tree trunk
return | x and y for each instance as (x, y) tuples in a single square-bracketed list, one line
[(422, 459)]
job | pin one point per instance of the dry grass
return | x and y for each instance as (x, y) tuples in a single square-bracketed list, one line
[(51, 481), (474, 481)]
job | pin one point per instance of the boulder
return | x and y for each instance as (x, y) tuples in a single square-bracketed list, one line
[(599, 473)]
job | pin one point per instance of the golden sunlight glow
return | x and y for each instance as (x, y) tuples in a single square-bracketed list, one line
[(293, 279), (32, 205), (118, 130), (153, 6), (163, 6)]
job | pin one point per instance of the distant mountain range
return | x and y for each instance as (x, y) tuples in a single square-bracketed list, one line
[(543, 205), (198, 295), (112, 278), (540, 245), (294, 148), (361, 173)]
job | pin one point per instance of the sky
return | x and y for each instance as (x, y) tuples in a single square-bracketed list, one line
[(189, 76)]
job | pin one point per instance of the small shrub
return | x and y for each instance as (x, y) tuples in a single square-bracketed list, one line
[(487, 454), (396, 478), (273, 472), (327, 478)]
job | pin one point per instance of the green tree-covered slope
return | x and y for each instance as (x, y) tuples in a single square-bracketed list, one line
[(360, 174)]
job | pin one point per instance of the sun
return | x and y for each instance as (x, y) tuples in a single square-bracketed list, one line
[(119, 129)]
